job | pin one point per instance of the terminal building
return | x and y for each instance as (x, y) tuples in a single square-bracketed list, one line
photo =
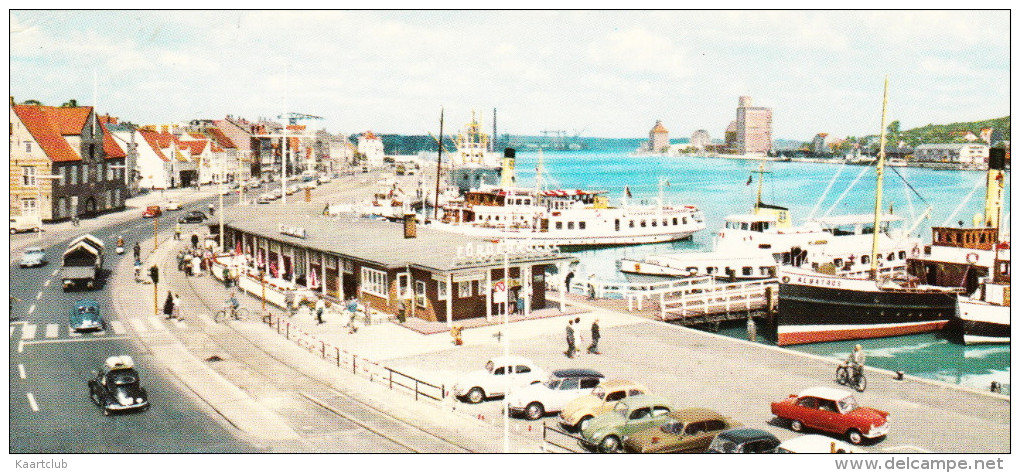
[(436, 276)]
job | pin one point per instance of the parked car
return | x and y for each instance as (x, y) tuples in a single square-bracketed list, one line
[(117, 388), (172, 205), (576, 414), (25, 223), (814, 443), (606, 432), (744, 440), (33, 256), (536, 400), (832, 410), (266, 198), (194, 216), (499, 373), (85, 316), (689, 430), (152, 211)]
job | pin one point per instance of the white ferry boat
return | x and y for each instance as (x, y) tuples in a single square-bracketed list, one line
[(567, 218)]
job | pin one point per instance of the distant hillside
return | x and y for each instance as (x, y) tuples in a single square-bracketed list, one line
[(953, 132)]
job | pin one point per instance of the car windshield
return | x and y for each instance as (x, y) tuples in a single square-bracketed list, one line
[(673, 427), (34, 251), (552, 383), (722, 445), (87, 310), (122, 377), (848, 404)]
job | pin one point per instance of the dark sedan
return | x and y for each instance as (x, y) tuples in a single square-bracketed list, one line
[(195, 216), (117, 388)]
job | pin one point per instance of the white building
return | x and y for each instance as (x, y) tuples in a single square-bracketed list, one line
[(962, 153), (371, 146), (152, 167), (700, 139)]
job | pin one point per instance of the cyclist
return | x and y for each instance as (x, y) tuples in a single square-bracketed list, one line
[(856, 361), (231, 305)]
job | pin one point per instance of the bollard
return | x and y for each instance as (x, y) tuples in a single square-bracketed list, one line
[(288, 330), (354, 363), (323, 350)]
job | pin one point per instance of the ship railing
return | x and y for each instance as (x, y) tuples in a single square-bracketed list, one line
[(719, 298), (635, 293)]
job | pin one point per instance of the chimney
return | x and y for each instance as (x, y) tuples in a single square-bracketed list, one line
[(410, 231), (745, 101), (506, 175)]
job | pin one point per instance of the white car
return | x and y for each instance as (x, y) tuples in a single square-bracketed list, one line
[(536, 400), (172, 205), (499, 374), (814, 443)]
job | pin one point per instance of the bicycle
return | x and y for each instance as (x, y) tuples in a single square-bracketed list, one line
[(857, 381), (240, 313)]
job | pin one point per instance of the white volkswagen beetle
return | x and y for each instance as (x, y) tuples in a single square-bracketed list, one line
[(500, 373), (536, 400)]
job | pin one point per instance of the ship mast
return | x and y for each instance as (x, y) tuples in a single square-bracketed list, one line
[(439, 165), (879, 170), (761, 175)]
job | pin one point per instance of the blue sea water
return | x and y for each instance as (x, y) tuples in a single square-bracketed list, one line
[(719, 187)]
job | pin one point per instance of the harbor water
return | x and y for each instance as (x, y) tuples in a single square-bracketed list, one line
[(720, 187)]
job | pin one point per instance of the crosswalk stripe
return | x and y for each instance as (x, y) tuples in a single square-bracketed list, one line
[(139, 325), (118, 326), (51, 330), (154, 322), (28, 332), (72, 332), (12, 331)]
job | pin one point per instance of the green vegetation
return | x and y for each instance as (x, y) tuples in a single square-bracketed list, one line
[(949, 133)]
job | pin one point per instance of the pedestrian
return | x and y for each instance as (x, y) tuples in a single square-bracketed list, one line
[(595, 335), (177, 306), (401, 312), (177, 231), (74, 221), (194, 240), (752, 330), (196, 265), (138, 250), (212, 209), (566, 281), (352, 307), (180, 261), (288, 302), (580, 336), (320, 307), (591, 287), (138, 270), (168, 305), (226, 277), (570, 339)]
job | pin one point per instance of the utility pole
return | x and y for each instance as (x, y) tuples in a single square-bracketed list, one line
[(439, 165)]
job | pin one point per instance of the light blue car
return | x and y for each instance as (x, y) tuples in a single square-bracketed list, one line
[(33, 256), (85, 316)]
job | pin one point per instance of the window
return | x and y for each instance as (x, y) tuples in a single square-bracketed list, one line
[(665, 222), (464, 289), (559, 225), (644, 224), (714, 425), (580, 225), (616, 396), (521, 369), (631, 224), (404, 286), (634, 392), (374, 282), (641, 413), (28, 206), (28, 175), (694, 428), (569, 383), (419, 293), (499, 371), (442, 291), (674, 221), (589, 383), (659, 411), (655, 223), (28, 147)]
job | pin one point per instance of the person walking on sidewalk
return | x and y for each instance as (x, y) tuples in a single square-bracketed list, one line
[(320, 307), (177, 231), (138, 251), (138, 270), (212, 209), (570, 339), (288, 302), (194, 241), (177, 307), (168, 305), (595, 335)]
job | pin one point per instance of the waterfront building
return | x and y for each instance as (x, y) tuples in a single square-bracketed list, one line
[(436, 275), (658, 138), (473, 148), (371, 147), (753, 128), (820, 144), (730, 137), (69, 142), (700, 139), (959, 153)]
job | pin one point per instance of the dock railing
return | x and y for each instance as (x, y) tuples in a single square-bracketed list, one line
[(634, 293), (719, 298)]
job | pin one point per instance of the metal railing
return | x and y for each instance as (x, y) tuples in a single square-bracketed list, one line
[(719, 298), (553, 436), (358, 365)]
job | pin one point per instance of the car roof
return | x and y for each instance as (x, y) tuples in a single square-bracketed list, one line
[(621, 383), (742, 435), (577, 373), (121, 362), (512, 359), (32, 249), (694, 414), (815, 443), (825, 393)]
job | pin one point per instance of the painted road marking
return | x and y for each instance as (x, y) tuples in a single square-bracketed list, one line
[(68, 340), (154, 322), (139, 325), (47, 283), (51, 330), (118, 326), (28, 332), (31, 309), (21, 346), (12, 331), (31, 402), (38, 296), (21, 371)]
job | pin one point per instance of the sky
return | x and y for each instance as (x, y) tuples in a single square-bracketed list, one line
[(594, 73)]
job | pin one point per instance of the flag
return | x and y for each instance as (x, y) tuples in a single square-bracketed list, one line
[(312, 282), (626, 191), (237, 248), (749, 179)]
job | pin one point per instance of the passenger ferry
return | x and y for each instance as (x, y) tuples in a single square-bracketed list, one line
[(567, 217)]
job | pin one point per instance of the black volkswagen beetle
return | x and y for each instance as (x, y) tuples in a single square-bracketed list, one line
[(116, 387), (194, 216)]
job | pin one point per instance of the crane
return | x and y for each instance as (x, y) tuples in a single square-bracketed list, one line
[(293, 117)]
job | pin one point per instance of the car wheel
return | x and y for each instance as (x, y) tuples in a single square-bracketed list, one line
[(475, 395), (854, 436), (534, 411), (610, 444), (583, 424), (796, 426), (13, 231)]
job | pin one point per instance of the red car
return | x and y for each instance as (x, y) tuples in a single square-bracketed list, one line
[(832, 410), (152, 211)]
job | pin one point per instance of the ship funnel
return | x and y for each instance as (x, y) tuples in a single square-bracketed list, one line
[(410, 229), (507, 178), (994, 186)]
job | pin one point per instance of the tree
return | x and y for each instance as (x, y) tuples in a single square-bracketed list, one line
[(893, 128), (32, 102), (70, 103)]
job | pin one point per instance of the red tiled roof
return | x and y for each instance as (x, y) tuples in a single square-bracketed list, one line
[(197, 136), (49, 125), (221, 138), (154, 140), (110, 146), (197, 147)]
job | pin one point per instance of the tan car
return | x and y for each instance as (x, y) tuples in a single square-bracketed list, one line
[(687, 431), (577, 413)]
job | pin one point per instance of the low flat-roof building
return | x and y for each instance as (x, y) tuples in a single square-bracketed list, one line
[(965, 153), (438, 276)]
